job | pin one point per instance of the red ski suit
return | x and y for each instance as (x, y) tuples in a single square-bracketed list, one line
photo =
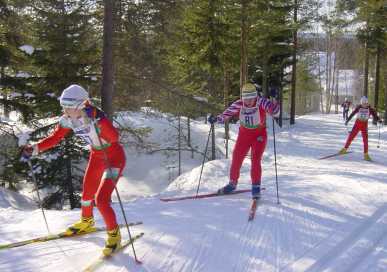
[(105, 165), (361, 124), (252, 134)]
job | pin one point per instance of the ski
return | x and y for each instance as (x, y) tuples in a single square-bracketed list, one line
[(253, 209), (334, 155), (204, 195), (61, 235), (102, 258)]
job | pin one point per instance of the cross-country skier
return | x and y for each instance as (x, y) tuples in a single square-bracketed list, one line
[(251, 111), (106, 161), (363, 111), (346, 105)]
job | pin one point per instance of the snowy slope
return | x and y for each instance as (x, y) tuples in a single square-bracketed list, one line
[(150, 173), (332, 216), (10, 199)]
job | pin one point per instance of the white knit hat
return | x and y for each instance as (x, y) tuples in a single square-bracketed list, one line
[(73, 97), (363, 100)]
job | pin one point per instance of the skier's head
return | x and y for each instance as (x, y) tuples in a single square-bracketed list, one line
[(249, 94), (73, 99), (364, 100)]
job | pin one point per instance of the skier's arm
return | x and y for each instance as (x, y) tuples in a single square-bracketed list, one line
[(53, 139), (107, 131), (231, 111), (374, 115), (272, 108), (352, 114)]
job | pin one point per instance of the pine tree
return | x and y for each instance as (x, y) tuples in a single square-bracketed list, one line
[(371, 16), (13, 76), (66, 52), (197, 61)]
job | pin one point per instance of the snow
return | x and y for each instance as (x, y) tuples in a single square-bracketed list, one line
[(23, 74), (29, 95), (200, 99), (51, 94), (14, 95), (332, 214), (10, 199), (28, 49)]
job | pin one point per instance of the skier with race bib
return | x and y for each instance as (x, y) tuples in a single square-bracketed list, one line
[(106, 161), (251, 111), (364, 111)]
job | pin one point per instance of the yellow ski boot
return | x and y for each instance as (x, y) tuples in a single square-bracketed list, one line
[(367, 157), (343, 151), (85, 225), (113, 241)]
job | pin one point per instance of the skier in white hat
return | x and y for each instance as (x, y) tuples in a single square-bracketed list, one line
[(106, 161)]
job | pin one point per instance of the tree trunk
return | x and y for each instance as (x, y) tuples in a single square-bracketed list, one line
[(385, 85), (179, 142), (265, 73), (294, 68), (189, 131), (280, 98), (226, 92), (320, 85), (107, 60), (243, 41), (213, 142), (6, 109), (189, 136), (366, 65), (377, 76), (334, 75), (337, 92), (328, 74)]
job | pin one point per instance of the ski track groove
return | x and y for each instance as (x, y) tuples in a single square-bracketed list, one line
[(351, 243), (253, 238)]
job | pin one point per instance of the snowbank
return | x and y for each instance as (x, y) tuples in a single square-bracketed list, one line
[(15, 200)]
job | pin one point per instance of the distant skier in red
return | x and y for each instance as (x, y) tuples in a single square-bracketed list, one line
[(251, 111), (346, 105), (106, 162), (364, 111)]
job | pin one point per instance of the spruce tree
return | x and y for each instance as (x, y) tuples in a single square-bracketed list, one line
[(66, 52)]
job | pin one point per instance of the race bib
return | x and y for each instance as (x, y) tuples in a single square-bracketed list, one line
[(363, 114), (249, 117), (85, 130)]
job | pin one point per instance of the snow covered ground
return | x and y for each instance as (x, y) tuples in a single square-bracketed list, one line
[(332, 214)]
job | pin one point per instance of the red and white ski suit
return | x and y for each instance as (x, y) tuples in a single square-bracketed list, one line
[(105, 165), (361, 124), (252, 134)]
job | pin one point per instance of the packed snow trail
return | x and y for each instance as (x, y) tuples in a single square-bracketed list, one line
[(332, 216)]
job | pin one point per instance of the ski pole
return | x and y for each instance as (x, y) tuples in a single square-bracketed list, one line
[(37, 192), (118, 195), (204, 159), (378, 136), (275, 161)]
